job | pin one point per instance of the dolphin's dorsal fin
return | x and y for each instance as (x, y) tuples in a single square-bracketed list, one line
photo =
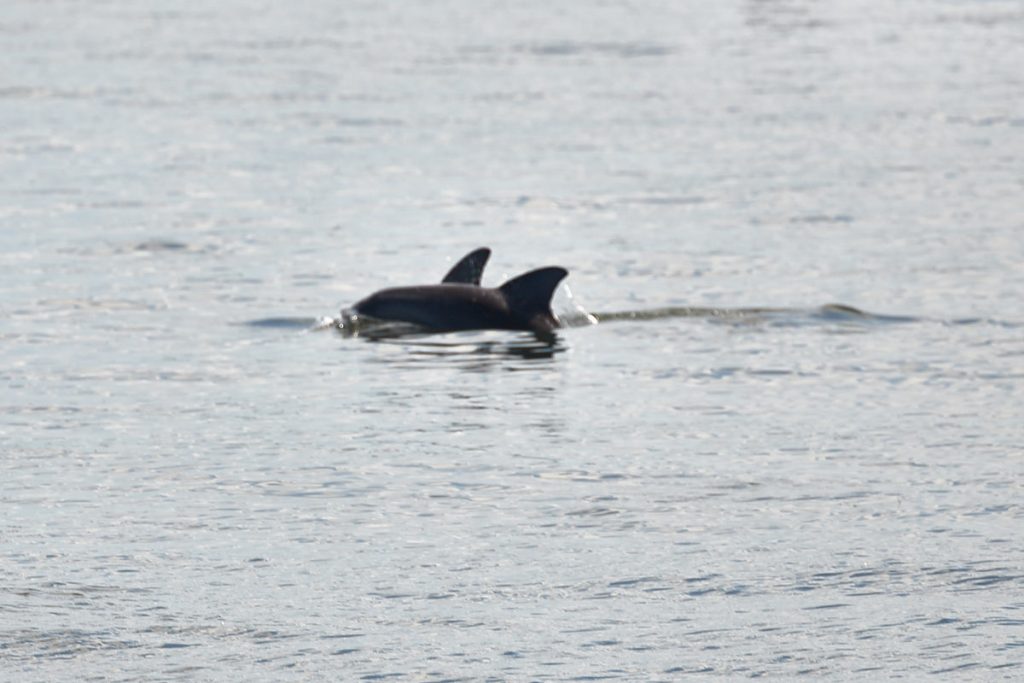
[(469, 268), (529, 296)]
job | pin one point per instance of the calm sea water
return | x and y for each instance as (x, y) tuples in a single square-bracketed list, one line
[(198, 485)]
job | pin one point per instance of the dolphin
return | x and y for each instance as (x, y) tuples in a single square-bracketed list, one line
[(469, 269), (460, 303)]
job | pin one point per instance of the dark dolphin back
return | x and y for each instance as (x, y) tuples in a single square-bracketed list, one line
[(469, 269), (529, 297)]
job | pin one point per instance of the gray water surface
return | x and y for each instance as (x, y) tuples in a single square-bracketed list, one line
[(727, 476)]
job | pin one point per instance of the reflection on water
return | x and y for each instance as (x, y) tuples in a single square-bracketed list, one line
[(472, 350)]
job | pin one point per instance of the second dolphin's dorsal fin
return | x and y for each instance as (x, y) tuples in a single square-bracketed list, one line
[(469, 268), (529, 297)]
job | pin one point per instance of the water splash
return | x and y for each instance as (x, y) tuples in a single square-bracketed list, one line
[(568, 311)]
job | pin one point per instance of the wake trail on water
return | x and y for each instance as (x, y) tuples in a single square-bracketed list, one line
[(574, 315)]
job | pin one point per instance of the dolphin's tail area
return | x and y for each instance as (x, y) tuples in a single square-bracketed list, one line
[(529, 297), (469, 269)]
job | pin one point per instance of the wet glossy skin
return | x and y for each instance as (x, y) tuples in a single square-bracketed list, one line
[(448, 307)]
